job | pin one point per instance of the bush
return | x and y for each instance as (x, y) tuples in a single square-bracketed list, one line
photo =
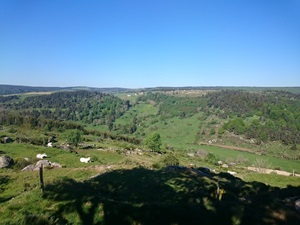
[(167, 160), (170, 160), (21, 163), (211, 158), (74, 137), (153, 141), (294, 147)]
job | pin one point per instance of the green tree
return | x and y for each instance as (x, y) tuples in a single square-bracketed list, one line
[(153, 141), (74, 137)]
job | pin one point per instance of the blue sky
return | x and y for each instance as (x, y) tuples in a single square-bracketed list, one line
[(140, 43)]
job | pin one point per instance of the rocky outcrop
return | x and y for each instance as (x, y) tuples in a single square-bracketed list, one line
[(6, 161), (45, 163)]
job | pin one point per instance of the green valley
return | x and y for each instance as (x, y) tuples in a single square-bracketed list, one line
[(185, 155)]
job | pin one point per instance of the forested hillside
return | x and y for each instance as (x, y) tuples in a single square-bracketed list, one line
[(83, 106), (276, 113), (261, 115)]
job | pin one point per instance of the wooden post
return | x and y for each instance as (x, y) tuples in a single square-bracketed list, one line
[(42, 178), (218, 190)]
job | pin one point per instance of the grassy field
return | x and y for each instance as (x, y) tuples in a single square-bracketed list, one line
[(139, 196), (122, 187)]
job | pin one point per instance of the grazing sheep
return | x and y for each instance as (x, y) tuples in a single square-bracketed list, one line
[(85, 160), (41, 156)]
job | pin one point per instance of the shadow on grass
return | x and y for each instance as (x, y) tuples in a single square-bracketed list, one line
[(142, 196), (4, 180)]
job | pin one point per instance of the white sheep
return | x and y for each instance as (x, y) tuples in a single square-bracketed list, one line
[(85, 160), (50, 145), (41, 156)]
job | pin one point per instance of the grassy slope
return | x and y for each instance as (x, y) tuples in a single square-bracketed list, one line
[(126, 196), (181, 135), (142, 196), (67, 198)]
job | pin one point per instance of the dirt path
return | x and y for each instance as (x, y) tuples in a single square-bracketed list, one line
[(231, 147), (269, 171)]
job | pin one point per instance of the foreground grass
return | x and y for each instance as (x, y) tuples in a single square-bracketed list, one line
[(271, 179), (143, 196)]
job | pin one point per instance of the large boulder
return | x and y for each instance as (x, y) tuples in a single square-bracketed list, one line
[(28, 168), (6, 161), (45, 163)]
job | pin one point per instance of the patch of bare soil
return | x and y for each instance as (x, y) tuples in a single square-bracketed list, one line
[(231, 147), (269, 171)]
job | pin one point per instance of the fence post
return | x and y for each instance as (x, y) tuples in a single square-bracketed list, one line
[(42, 178)]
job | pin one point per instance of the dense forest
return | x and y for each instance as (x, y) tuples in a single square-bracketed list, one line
[(277, 115), (84, 106)]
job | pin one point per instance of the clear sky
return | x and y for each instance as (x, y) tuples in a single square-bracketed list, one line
[(141, 43)]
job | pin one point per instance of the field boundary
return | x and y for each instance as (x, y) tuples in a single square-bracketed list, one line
[(231, 148)]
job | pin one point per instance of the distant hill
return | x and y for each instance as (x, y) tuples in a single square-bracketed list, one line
[(18, 89)]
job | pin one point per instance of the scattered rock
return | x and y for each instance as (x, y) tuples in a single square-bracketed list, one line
[(232, 164), (55, 165), (45, 163), (231, 172), (225, 166), (66, 147), (6, 161), (191, 154), (297, 205), (28, 168)]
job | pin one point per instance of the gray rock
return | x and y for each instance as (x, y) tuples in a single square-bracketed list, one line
[(55, 165), (297, 205), (45, 163), (6, 161), (28, 168)]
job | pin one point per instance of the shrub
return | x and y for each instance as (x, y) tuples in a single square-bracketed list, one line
[(21, 163), (153, 141), (211, 158), (170, 160), (294, 147)]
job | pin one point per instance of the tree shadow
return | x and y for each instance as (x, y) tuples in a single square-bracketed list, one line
[(142, 196)]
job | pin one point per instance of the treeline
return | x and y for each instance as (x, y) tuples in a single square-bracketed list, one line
[(47, 125), (18, 89), (9, 98), (278, 114), (85, 106), (172, 106)]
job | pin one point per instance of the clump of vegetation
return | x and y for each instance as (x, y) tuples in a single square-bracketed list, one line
[(211, 158), (153, 141), (20, 163), (74, 137)]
